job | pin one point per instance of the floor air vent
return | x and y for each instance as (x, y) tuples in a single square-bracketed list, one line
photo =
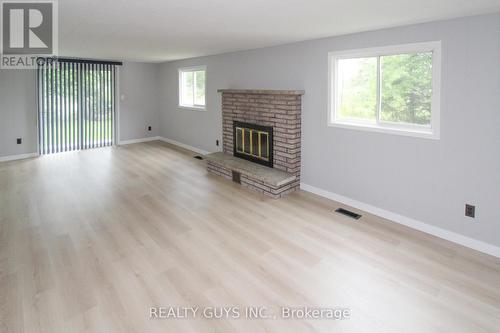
[(198, 157), (348, 213)]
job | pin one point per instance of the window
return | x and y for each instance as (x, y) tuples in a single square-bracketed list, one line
[(391, 89), (192, 87)]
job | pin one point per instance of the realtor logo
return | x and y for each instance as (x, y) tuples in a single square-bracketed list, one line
[(29, 29)]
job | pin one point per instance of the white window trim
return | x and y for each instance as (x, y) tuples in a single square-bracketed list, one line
[(179, 78), (432, 132)]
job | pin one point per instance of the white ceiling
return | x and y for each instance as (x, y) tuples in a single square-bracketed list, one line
[(163, 30)]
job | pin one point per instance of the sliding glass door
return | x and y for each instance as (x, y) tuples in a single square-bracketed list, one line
[(76, 106)]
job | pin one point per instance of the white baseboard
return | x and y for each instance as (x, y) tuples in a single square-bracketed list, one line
[(185, 146), (17, 157), (155, 138), (407, 221), (128, 142)]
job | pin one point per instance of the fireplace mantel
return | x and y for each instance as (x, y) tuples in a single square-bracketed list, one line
[(262, 91)]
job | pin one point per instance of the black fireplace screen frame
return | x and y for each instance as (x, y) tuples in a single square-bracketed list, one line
[(268, 129)]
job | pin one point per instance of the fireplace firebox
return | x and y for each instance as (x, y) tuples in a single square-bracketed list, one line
[(253, 142)]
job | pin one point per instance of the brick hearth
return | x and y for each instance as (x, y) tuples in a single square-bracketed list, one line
[(280, 109)]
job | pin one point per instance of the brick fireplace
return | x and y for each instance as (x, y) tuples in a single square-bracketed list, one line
[(279, 109)]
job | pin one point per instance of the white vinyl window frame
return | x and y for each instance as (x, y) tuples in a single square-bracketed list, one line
[(430, 132), (194, 107)]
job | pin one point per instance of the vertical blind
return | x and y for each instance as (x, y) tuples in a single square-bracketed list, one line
[(76, 105)]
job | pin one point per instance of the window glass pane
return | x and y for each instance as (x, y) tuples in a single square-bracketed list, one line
[(187, 88), (199, 98), (406, 88), (357, 88)]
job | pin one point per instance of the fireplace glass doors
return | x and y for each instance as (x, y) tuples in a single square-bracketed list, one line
[(253, 142)]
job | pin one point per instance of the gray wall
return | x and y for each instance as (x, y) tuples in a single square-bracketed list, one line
[(423, 179), (138, 84), (17, 112), (139, 100)]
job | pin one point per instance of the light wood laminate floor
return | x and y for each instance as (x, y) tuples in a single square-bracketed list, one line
[(90, 240)]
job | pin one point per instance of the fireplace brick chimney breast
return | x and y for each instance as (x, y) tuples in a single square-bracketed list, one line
[(280, 109)]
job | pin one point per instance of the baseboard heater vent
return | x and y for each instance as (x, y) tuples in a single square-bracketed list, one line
[(348, 213), (198, 157)]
